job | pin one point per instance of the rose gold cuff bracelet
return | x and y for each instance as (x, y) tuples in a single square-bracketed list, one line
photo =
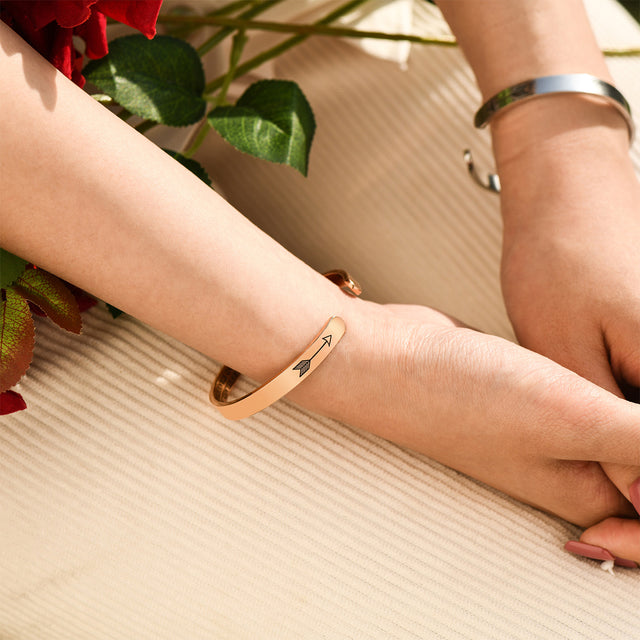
[(297, 371)]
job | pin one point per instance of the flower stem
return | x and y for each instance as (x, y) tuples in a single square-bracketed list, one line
[(235, 6), (263, 57), (198, 140), (226, 31), (239, 41), (619, 53), (326, 30), (191, 21), (231, 24)]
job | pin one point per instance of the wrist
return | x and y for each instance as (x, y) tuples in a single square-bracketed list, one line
[(559, 146), (338, 387), (551, 123), (377, 378)]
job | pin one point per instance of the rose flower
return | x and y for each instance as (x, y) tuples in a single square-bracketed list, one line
[(49, 26)]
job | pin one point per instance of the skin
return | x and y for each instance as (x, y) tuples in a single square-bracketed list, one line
[(99, 217), (570, 274)]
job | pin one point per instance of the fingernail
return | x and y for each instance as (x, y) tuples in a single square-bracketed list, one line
[(588, 550), (598, 553), (623, 562), (634, 493)]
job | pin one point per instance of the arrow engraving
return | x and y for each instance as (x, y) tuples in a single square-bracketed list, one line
[(304, 365)]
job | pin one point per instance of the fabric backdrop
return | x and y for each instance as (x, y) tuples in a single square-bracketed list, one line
[(130, 509)]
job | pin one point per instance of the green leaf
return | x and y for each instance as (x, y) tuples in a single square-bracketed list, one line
[(52, 296), (272, 120), (193, 166), (160, 79), (17, 338), (10, 268)]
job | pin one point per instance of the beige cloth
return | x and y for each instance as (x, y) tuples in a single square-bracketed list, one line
[(130, 509)]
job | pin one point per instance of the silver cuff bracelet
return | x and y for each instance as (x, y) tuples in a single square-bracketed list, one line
[(565, 83)]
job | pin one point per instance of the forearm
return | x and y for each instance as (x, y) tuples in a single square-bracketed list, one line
[(88, 198), (91, 200), (508, 41)]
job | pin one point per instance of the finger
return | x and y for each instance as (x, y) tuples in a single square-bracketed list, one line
[(623, 476), (597, 369), (616, 539), (594, 425)]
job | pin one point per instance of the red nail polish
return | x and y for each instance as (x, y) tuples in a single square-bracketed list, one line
[(588, 550), (634, 493)]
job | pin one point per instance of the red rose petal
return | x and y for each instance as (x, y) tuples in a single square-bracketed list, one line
[(141, 15), (63, 53), (48, 25), (38, 13), (71, 13), (94, 33), (10, 402)]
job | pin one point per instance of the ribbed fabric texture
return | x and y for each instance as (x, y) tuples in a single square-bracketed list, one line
[(387, 196), (130, 509)]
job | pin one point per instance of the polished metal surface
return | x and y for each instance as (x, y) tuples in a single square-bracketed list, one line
[(582, 83), (493, 180)]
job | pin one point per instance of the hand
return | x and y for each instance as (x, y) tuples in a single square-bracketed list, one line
[(571, 277), (482, 405), (571, 272)]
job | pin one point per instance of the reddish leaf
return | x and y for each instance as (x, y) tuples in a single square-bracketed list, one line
[(10, 402), (16, 338), (52, 296)]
